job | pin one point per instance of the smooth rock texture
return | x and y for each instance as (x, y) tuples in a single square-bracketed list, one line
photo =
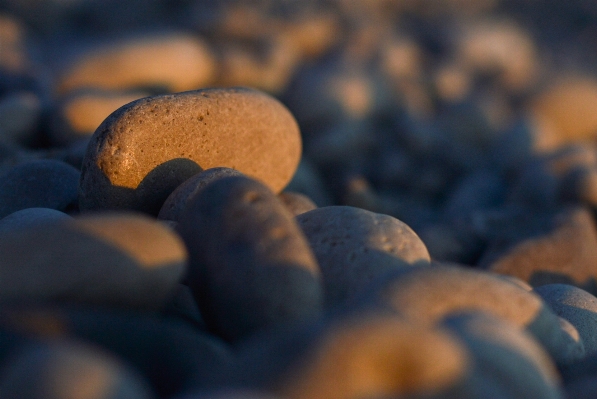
[(296, 203), (354, 246), (575, 305), (70, 370), (175, 61), (362, 356), (39, 184), (250, 265), (427, 295), (127, 165), (508, 363), (125, 261), (565, 253), (176, 202), (30, 217)]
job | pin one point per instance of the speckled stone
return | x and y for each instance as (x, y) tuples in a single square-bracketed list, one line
[(296, 203), (354, 247), (575, 305), (145, 149), (30, 217), (39, 184), (126, 261), (250, 265), (175, 61), (367, 355), (508, 363), (176, 202), (429, 294), (71, 370)]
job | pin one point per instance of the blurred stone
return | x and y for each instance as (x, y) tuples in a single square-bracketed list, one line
[(20, 115), (296, 203), (30, 217)]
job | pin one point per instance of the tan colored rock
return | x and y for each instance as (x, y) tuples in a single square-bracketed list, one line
[(175, 61), (125, 261), (145, 149)]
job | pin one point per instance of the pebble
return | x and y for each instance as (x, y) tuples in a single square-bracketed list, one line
[(564, 253), (128, 167), (80, 114), (20, 117), (250, 265), (508, 362), (139, 261), (296, 203), (30, 217), (354, 247), (39, 184), (575, 305), (60, 370), (365, 355), (429, 294), (174, 61), (175, 204)]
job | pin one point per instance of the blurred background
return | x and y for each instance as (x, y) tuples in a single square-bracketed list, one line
[(459, 117)]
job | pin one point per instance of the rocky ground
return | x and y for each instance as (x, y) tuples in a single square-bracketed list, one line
[(399, 203)]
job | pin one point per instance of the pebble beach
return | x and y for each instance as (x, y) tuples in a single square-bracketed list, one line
[(298, 199)]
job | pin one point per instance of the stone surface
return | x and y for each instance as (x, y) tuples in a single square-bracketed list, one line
[(508, 363), (20, 116), (354, 246), (565, 252), (70, 370), (296, 203), (128, 166), (30, 217), (429, 294), (43, 183), (250, 265), (575, 305), (176, 202), (369, 355), (175, 61), (126, 261)]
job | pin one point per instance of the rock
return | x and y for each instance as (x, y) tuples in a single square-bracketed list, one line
[(250, 265), (128, 165), (183, 306), (564, 253), (354, 246), (170, 354), (14, 55), (585, 388), (308, 180), (508, 362), (575, 305), (20, 116), (61, 370), (174, 61), (139, 261), (229, 394), (369, 355), (30, 217), (39, 184), (296, 203), (80, 114), (177, 201), (427, 295)]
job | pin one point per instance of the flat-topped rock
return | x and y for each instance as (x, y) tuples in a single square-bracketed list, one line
[(146, 148)]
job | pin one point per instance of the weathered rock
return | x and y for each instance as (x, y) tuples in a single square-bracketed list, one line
[(125, 261), (176, 202), (69, 370), (575, 305), (354, 246), (250, 264), (174, 61), (39, 184), (429, 294), (128, 164)]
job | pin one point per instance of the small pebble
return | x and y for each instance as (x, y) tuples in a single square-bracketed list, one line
[(20, 117), (296, 203), (127, 165), (354, 247), (250, 264), (39, 184)]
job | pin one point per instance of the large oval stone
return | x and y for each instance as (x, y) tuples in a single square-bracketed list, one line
[(146, 148)]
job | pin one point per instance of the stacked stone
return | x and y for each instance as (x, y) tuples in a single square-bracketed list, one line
[(393, 209)]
